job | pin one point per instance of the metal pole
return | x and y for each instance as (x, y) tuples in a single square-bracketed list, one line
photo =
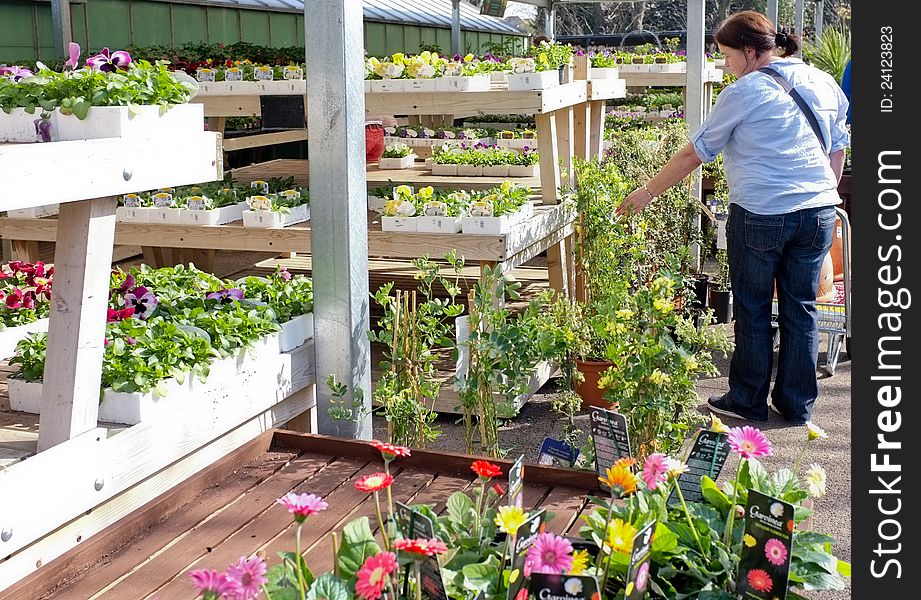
[(550, 22), (60, 23), (694, 98), (819, 20), (338, 192), (773, 12), (455, 27), (799, 23)]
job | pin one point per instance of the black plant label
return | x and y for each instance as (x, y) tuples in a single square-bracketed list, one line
[(764, 566)]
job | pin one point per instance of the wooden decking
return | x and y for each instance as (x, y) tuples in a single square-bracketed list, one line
[(233, 513)]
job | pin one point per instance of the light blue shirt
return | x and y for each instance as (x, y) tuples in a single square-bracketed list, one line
[(773, 160)]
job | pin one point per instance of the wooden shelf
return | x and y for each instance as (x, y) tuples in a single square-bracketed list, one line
[(667, 79), (417, 176)]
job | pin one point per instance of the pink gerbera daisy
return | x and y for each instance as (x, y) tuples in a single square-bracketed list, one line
[(775, 551), (749, 442), (372, 576), (212, 585), (390, 451), (654, 470), (249, 575), (550, 553), (302, 505)]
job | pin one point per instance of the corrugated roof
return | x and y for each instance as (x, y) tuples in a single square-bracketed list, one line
[(433, 13)]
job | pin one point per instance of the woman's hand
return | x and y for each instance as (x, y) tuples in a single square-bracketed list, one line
[(635, 202)]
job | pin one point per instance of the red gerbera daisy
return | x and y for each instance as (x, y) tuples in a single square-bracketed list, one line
[(421, 547), (390, 451), (486, 469), (374, 482), (372, 576), (760, 580)]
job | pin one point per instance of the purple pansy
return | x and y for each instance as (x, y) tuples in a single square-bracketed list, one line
[(142, 300), (109, 62), (285, 275), (73, 49), (127, 284), (15, 73), (43, 129), (226, 296)]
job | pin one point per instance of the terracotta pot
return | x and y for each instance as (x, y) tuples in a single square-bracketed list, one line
[(588, 390)]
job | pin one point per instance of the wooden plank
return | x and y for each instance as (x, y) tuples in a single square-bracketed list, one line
[(648, 79), (565, 142), (83, 259), (335, 484), (606, 89), (453, 463), (566, 503), (242, 512), (596, 130), (24, 250), (168, 514), (230, 106), (264, 139), (106, 167)]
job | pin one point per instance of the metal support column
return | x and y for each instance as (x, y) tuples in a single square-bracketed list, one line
[(694, 98), (60, 23), (773, 12), (550, 21), (338, 192), (799, 23), (455, 27), (819, 20)]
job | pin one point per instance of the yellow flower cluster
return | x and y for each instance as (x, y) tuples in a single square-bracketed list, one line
[(659, 378)]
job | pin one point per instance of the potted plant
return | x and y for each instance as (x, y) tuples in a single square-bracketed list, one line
[(720, 294), (389, 73), (498, 210), (212, 204), (25, 294), (443, 213), (396, 156), (547, 66), (278, 209), (423, 69), (525, 164), (604, 66), (445, 160), (400, 212)]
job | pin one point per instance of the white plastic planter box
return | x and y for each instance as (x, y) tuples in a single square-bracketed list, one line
[(439, 224), (369, 87), (397, 163), (444, 170), (634, 68), (420, 85), (605, 73), (10, 336), (35, 212), (165, 216), (295, 332), (376, 203), (214, 216), (518, 143), (402, 224), (540, 80), (491, 225), (678, 67), (268, 218), (469, 170), (523, 171), (475, 83), (498, 77), (128, 214), (106, 122), (495, 171), (388, 85)]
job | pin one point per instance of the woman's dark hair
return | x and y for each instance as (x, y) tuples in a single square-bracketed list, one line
[(753, 29)]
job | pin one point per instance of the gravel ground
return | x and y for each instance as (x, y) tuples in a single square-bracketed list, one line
[(537, 420)]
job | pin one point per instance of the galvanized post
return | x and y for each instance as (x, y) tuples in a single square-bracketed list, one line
[(455, 27), (819, 20), (773, 12), (60, 23), (338, 198), (550, 21), (694, 98), (799, 24)]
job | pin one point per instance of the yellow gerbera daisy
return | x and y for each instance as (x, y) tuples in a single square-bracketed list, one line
[(510, 518), (579, 562), (620, 536)]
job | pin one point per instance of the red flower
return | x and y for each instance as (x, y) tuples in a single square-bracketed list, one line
[(486, 469), (374, 482), (421, 547), (791, 525), (498, 489), (16, 298), (113, 315), (228, 63), (760, 580), (372, 576), (389, 451)]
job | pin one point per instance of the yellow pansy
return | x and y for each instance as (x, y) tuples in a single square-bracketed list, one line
[(510, 518), (402, 192), (398, 58), (468, 58), (662, 305), (426, 192)]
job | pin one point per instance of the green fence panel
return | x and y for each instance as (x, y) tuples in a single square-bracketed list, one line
[(301, 40), (284, 29), (394, 37), (412, 37), (109, 24), (255, 26), (375, 39), (223, 25), (443, 39), (430, 38), (149, 23), (17, 40), (78, 23), (190, 24)]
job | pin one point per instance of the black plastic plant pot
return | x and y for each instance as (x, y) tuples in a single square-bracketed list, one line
[(701, 291), (721, 303)]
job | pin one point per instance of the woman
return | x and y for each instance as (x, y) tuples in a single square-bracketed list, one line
[(783, 189)]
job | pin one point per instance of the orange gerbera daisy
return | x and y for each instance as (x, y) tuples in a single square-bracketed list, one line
[(620, 480)]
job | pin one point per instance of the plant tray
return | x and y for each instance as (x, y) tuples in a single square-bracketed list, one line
[(439, 224), (404, 224), (476, 83), (266, 219), (405, 162), (10, 336), (540, 80), (214, 216)]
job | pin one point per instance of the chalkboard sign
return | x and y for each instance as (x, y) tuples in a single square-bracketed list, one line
[(610, 436), (707, 457), (562, 587), (494, 8), (282, 112), (516, 482)]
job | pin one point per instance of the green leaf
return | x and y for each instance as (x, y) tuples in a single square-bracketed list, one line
[(328, 587), (357, 545), (714, 495), (844, 568), (459, 511), (81, 109), (480, 577)]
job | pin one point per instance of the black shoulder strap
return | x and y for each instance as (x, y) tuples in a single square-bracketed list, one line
[(810, 116)]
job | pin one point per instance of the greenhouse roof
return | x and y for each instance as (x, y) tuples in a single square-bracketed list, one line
[(433, 13)]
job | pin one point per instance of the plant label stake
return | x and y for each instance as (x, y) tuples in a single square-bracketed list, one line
[(707, 457), (610, 437), (764, 566), (563, 587), (523, 539), (417, 525), (556, 453), (516, 482), (638, 571)]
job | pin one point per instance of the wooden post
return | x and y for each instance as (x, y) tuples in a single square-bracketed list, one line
[(596, 135), (582, 112), (76, 331), (24, 250), (564, 132), (548, 142)]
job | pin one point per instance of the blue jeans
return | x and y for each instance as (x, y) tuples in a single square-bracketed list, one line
[(790, 249)]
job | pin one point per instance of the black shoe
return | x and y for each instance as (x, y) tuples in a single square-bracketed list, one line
[(718, 405)]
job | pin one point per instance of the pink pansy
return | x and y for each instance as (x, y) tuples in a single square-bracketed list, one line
[(749, 442), (655, 470), (550, 553), (73, 49)]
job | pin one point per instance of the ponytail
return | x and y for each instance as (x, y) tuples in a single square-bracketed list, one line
[(788, 42)]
